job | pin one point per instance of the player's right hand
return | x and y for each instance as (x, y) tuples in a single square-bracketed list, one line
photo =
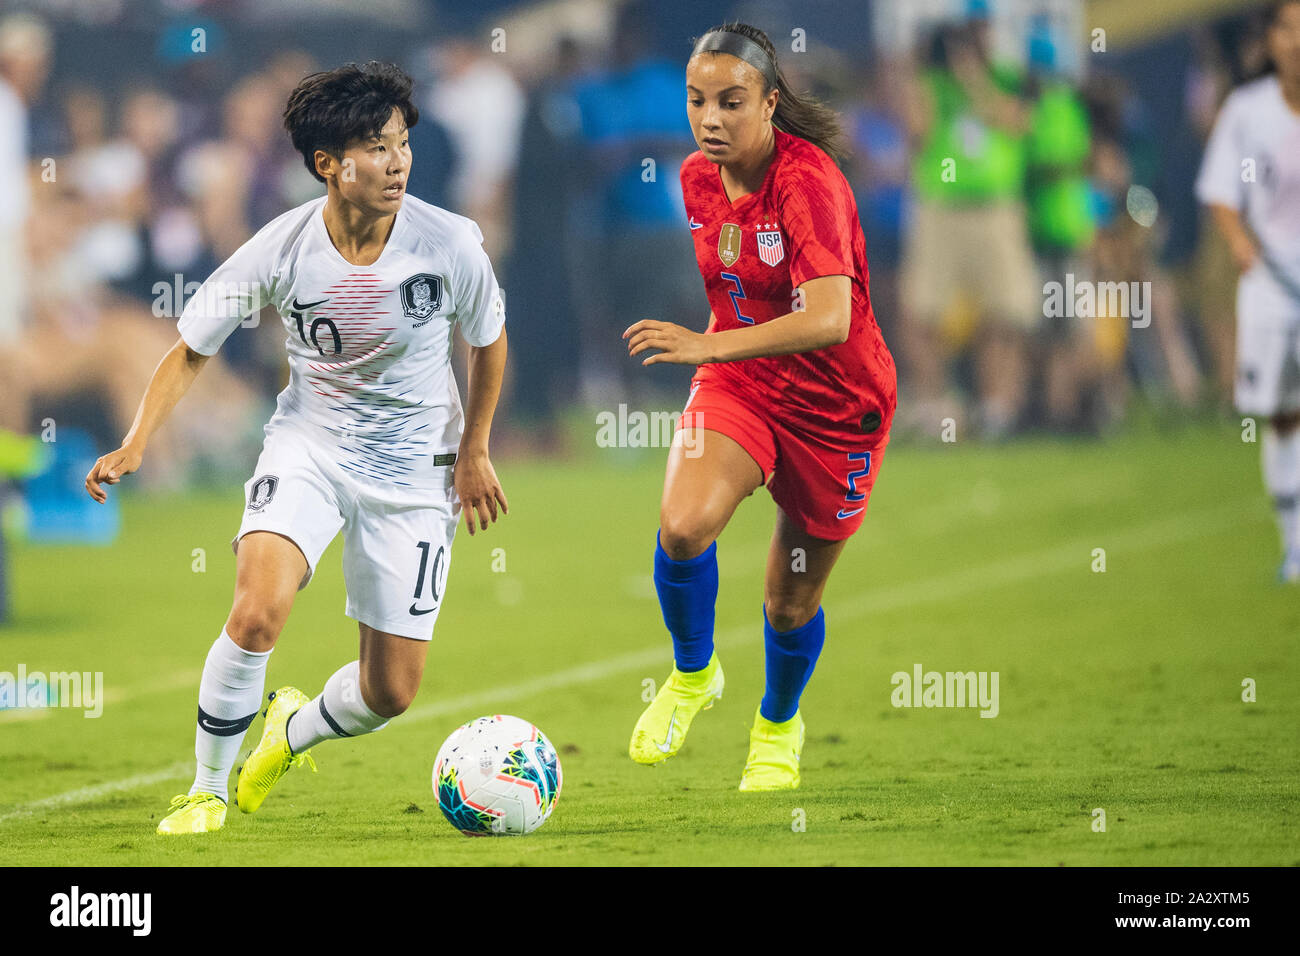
[(110, 469)]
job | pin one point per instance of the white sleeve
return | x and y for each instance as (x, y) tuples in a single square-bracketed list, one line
[(480, 307), (15, 199), (1220, 180), (238, 288)]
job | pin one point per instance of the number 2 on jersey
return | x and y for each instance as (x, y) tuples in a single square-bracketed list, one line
[(853, 494), (737, 294)]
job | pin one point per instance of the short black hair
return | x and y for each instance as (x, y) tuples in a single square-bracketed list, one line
[(1273, 13), (1265, 22), (329, 110)]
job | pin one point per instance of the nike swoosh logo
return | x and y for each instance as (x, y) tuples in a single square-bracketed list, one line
[(417, 611), (212, 727), (672, 726), (849, 514), (695, 225), (304, 306)]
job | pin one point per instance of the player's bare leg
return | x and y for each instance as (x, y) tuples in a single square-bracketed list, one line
[(798, 567), (269, 569), (792, 589), (361, 696), (708, 476), (391, 668)]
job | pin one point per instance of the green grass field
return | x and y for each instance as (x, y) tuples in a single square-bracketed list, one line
[(1119, 690)]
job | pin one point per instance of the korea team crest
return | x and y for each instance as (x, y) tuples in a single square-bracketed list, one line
[(770, 249), (729, 243), (261, 492), (421, 297)]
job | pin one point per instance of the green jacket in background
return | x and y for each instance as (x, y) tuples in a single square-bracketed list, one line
[(1057, 150), (989, 163)]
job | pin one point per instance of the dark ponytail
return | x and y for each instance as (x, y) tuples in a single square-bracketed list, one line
[(796, 114)]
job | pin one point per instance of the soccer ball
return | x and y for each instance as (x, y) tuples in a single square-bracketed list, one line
[(497, 776)]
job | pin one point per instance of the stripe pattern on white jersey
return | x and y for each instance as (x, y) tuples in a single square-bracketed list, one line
[(369, 346)]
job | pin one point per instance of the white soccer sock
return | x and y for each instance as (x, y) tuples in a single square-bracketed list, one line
[(337, 711), (229, 695), (1282, 476)]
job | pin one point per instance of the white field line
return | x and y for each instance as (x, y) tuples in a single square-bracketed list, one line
[(90, 794), (1054, 560)]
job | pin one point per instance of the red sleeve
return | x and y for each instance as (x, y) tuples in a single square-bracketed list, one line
[(818, 214), (690, 179)]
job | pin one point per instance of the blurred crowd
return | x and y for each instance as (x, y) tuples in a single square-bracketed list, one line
[(979, 179), (991, 189)]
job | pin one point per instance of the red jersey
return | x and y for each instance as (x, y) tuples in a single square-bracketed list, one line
[(802, 223)]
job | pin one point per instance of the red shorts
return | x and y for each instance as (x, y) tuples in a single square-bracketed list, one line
[(822, 480)]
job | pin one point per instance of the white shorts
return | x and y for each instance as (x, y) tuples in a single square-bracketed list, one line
[(396, 540), (1268, 346)]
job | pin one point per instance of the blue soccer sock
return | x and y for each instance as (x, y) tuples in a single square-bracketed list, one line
[(791, 657), (688, 591)]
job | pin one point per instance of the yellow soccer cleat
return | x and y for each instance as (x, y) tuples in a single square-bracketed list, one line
[(662, 728), (774, 751), (271, 758), (194, 813)]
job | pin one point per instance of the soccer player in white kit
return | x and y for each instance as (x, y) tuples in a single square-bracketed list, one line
[(368, 438), (1250, 180)]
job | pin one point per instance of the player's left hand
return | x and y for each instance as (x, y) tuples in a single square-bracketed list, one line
[(676, 344), (479, 490)]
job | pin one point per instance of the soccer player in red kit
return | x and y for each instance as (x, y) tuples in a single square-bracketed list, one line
[(795, 390)]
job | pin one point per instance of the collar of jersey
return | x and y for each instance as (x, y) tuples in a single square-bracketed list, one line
[(398, 223), (717, 173)]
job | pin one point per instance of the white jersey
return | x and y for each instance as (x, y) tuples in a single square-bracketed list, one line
[(369, 346), (1252, 165)]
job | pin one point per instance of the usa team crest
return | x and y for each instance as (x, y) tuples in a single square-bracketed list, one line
[(421, 297), (770, 248)]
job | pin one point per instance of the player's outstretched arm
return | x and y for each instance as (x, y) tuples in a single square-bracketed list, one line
[(476, 480), (824, 321), (171, 379)]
